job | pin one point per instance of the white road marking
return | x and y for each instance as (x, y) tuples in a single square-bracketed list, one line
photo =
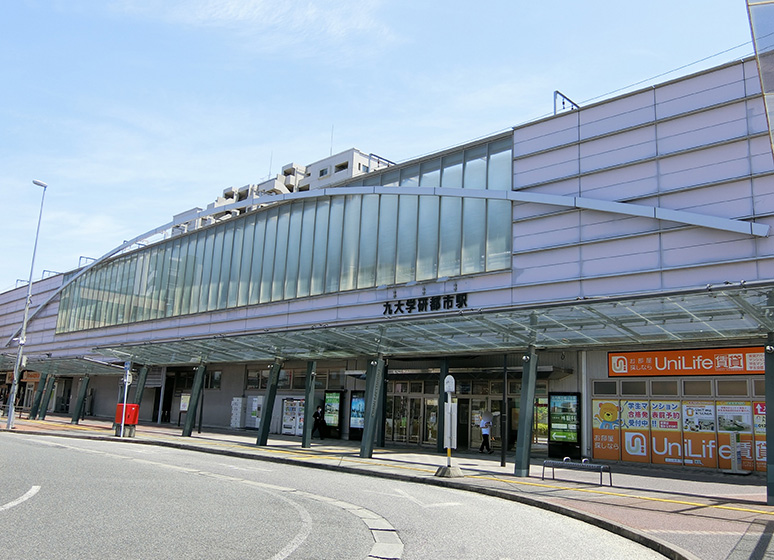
[(30, 493)]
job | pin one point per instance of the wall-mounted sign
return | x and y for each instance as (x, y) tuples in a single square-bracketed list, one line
[(707, 361), (414, 306)]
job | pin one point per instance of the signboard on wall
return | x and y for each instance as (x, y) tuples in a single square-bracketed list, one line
[(712, 361), (635, 431), (759, 427), (735, 418), (606, 429), (700, 449), (666, 433)]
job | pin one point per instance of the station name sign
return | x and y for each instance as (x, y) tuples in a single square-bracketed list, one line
[(707, 361), (414, 306)]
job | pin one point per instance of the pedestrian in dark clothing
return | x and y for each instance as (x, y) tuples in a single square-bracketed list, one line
[(319, 423)]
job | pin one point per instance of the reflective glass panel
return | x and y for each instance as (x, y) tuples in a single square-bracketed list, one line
[(475, 168), (369, 228), (473, 235), (388, 240), (451, 172), (427, 242), (430, 173), (407, 238)]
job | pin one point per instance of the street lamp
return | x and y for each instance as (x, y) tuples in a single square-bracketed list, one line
[(23, 335)]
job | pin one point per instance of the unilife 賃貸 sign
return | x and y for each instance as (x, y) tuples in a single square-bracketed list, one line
[(706, 361)]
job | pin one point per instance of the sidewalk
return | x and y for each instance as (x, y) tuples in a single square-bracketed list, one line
[(679, 512)]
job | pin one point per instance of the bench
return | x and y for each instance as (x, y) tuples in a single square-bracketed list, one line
[(584, 465)]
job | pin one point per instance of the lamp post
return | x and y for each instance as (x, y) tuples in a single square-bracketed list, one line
[(23, 335)]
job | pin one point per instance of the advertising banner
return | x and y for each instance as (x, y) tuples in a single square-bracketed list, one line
[(635, 431), (759, 426), (606, 429), (666, 433), (564, 424), (332, 408), (357, 413), (699, 436), (735, 419), (712, 361)]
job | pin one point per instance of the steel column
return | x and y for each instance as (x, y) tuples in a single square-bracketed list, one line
[(268, 403), (81, 397), (526, 413), (374, 390), (46, 396), (38, 395), (196, 390), (311, 373), (141, 378)]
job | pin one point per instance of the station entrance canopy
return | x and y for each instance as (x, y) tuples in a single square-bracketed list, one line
[(724, 314)]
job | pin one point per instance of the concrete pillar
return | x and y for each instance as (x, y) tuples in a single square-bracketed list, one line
[(38, 396)]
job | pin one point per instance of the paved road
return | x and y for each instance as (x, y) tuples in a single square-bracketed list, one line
[(100, 499)]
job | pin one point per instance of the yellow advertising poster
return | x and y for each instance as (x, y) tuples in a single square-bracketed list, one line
[(735, 435), (759, 425), (635, 431), (606, 429), (699, 437), (666, 432)]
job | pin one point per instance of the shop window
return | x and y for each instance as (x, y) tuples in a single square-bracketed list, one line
[(431, 387), (731, 387), (390, 386), (337, 380), (759, 388), (497, 387), (514, 387), (605, 388), (401, 387), (463, 387), (416, 387), (697, 388), (253, 379), (282, 383), (212, 379), (299, 381), (661, 388), (638, 388), (320, 380), (481, 387)]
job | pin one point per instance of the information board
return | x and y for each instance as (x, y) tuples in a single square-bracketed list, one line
[(564, 425)]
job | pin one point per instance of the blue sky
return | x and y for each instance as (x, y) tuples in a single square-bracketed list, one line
[(135, 110)]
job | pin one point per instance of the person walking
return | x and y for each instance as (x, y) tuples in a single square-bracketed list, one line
[(486, 432), (319, 423)]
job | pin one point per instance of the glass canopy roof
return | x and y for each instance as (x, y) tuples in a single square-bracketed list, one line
[(731, 314)]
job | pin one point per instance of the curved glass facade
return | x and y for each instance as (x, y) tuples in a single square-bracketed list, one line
[(312, 246), (300, 248)]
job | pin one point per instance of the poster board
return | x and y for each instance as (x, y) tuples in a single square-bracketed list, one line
[(564, 425)]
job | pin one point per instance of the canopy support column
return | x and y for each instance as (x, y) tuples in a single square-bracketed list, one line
[(526, 412), (47, 391), (268, 402), (374, 390), (38, 396), (138, 391), (81, 398), (196, 391), (311, 373)]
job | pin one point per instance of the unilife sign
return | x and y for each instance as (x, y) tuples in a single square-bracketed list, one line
[(712, 361)]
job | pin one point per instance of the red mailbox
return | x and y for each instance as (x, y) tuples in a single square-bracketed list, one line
[(130, 416)]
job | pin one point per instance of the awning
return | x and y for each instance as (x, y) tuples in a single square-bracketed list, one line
[(718, 315)]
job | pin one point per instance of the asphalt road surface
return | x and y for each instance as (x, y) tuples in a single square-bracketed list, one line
[(66, 498)]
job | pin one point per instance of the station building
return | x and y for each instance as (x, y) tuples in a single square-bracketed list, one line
[(602, 278)]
